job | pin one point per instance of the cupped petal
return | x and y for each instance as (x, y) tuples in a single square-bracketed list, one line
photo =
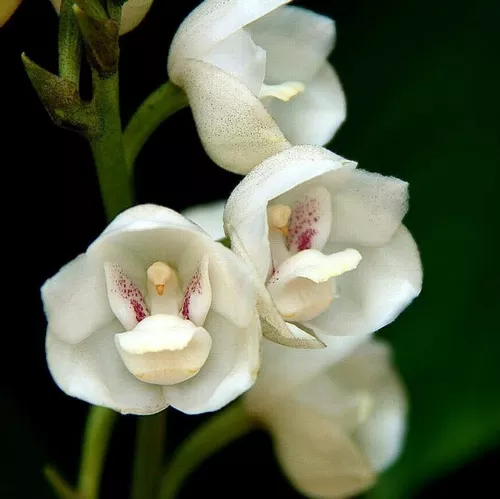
[(75, 300), (315, 115), (367, 208), (245, 213), (230, 370), (235, 128), (301, 287), (92, 370), (241, 58), (210, 23), (208, 217), (297, 42), (317, 455), (387, 279), (164, 349)]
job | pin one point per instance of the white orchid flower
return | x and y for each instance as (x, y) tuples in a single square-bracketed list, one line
[(334, 424), (326, 243), (133, 13), (155, 313), (257, 78)]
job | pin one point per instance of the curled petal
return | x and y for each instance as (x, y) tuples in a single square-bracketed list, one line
[(301, 286), (387, 279), (164, 349), (235, 128), (93, 371), (210, 23), (315, 115), (297, 42)]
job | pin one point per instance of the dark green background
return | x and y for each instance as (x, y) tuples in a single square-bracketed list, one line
[(422, 81)]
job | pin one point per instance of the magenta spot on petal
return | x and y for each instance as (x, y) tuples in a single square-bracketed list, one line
[(194, 287), (301, 229)]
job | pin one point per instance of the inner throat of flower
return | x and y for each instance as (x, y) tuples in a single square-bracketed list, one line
[(164, 342), (301, 279), (283, 91)]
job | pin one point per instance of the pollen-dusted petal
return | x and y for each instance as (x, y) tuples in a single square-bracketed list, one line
[(164, 349), (235, 128), (198, 295), (125, 299), (311, 221)]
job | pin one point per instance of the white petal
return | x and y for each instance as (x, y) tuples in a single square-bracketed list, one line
[(93, 371), (151, 233), (275, 328), (233, 295), (301, 286), (315, 115), (241, 58), (385, 282), (164, 349), (297, 42), (208, 217), (366, 207), (231, 368), (210, 23), (318, 457), (198, 295), (125, 299), (280, 377), (236, 130), (381, 436), (132, 14), (75, 300), (311, 221), (245, 214)]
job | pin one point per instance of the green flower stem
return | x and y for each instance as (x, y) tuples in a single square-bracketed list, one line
[(223, 428), (158, 106), (95, 445), (107, 147), (149, 455), (70, 46)]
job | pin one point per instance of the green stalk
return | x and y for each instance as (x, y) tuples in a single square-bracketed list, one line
[(70, 46), (107, 147), (223, 428), (59, 485), (95, 445), (149, 455), (156, 108)]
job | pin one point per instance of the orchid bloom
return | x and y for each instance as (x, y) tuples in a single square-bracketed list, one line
[(155, 313), (329, 252), (334, 424), (7, 8), (257, 78), (133, 13)]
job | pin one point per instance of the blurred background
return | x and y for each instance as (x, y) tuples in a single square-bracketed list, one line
[(422, 81)]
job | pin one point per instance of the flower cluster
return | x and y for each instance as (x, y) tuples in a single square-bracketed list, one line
[(157, 313)]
